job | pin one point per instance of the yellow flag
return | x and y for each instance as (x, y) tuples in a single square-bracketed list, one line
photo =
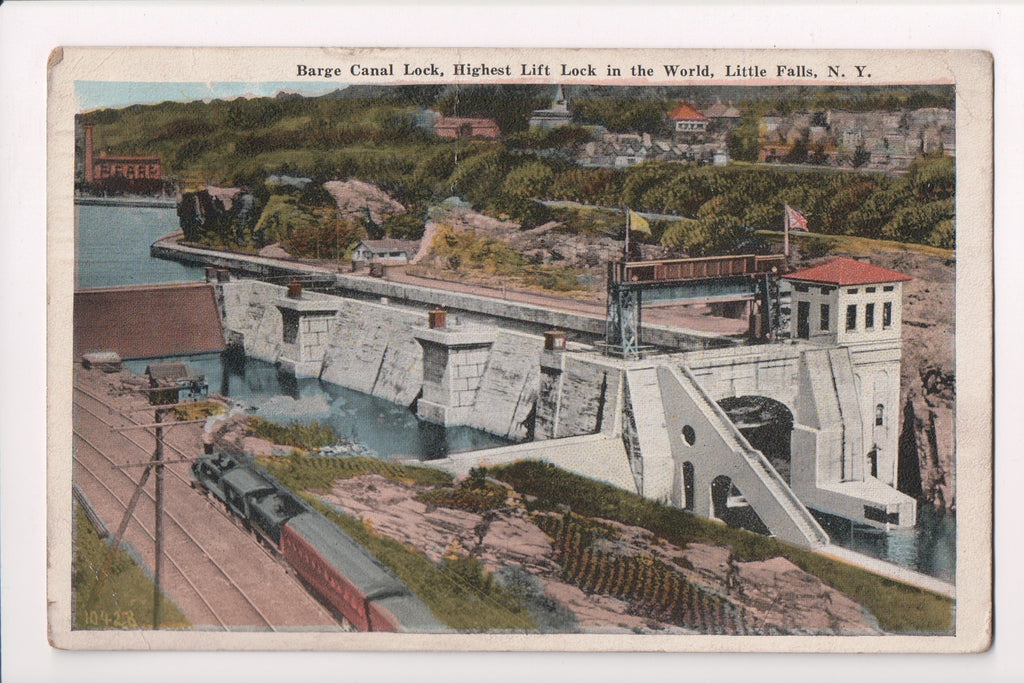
[(638, 223)]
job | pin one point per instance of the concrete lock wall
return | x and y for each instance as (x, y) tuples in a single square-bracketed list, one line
[(372, 348)]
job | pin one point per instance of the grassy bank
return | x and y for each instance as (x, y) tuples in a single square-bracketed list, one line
[(125, 600), (898, 607), (814, 244)]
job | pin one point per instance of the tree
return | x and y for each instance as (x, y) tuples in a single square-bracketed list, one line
[(742, 141), (861, 156)]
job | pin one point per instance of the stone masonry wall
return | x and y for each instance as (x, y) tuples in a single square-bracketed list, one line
[(372, 349)]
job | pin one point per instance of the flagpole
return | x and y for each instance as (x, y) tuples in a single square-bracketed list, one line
[(626, 255), (785, 230)]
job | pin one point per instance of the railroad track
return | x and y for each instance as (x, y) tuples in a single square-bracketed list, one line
[(240, 603), (147, 450)]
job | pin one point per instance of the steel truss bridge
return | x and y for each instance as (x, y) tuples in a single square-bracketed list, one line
[(745, 277)]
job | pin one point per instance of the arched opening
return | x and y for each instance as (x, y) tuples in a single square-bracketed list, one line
[(730, 506), (767, 424)]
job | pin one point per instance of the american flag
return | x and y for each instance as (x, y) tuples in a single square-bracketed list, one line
[(795, 220)]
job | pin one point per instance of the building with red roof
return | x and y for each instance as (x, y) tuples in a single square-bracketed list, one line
[(687, 120), (843, 301)]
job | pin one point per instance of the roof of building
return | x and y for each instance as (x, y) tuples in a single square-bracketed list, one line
[(684, 112), (844, 271), (148, 321), (388, 245)]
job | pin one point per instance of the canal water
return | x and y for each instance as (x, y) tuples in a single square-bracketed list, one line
[(383, 428), (112, 249)]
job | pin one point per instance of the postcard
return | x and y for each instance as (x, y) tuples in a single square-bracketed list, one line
[(520, 349)]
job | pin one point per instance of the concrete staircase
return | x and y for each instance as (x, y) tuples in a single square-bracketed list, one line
[(766, 491), (651, 436)]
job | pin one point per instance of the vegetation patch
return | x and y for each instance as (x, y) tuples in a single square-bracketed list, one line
[(474, 494), (305, 436), (464, 252), (896, 606), (198, 410), (305, 473), (125, 601), (650, 587)]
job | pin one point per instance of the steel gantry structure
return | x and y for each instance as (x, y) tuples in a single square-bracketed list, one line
[(745, 277)]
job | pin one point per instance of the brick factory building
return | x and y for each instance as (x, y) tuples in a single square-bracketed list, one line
[(120, 174)]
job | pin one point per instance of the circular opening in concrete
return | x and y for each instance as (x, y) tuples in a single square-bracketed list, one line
[(689, 435)]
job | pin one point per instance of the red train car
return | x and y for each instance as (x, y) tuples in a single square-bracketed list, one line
[(347, 578)]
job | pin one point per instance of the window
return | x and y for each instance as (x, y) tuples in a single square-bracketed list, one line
[(851, 317), (888, 288), (852, 291), (869, 316), (824, 316), (886, 315), (800, 288), (879, 415), (870, 290)]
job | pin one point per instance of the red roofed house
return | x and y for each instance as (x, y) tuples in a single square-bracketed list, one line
[(457, 127), (687, 123)]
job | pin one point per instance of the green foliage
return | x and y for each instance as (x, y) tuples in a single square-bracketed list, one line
[(198, 410), (623, 115), (532, 179), (308, 473), (307, 436), (463, 251), (897, 606), (556, 138), (405, 226), (508, 105), (472, 494), (742, 140), (458, 593), (126, 599), (689, 235)]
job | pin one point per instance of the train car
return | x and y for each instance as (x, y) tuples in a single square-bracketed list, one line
[(406, 610), (352, 582), (268, 512)]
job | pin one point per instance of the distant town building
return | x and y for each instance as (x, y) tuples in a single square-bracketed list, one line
[(722, 117), (556, 116), (687, 124), (459, 127)]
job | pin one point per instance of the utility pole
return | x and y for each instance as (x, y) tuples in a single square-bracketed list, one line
[(158, 504)]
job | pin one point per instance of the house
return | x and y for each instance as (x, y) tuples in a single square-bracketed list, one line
[(460, 127), (687, 123), (722, 117), (556, 116), (386, 250)]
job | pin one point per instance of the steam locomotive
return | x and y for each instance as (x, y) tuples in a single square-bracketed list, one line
[(339, 571)]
